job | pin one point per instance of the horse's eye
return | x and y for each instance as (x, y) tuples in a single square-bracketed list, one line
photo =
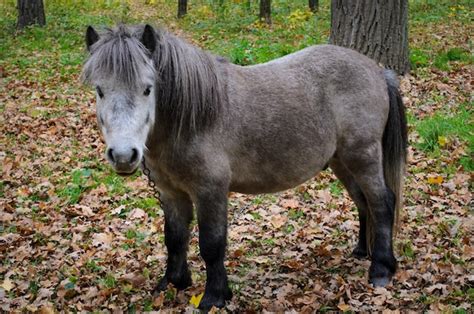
[(99, 92), (147, 91)]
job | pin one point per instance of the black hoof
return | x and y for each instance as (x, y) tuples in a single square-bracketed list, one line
[(380, 281), (218, 300), (179, 283), (381, 272), (360, 252)]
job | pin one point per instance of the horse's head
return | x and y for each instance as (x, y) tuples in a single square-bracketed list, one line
[(121, 68)]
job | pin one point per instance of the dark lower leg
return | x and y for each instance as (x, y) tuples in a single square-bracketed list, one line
[(360, 251), (212, 219), (212, 248), (177, 220), (364, 164), (384, 263)]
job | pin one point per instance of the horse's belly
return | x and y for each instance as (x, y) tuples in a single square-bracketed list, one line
[(258, 186), (273, 176)]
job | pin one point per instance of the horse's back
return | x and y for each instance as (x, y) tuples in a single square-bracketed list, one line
[(288, 117), (341, 84)]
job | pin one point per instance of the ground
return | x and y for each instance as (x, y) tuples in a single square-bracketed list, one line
[(75, 237)]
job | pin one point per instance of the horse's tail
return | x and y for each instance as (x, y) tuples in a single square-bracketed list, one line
[(394, 143)]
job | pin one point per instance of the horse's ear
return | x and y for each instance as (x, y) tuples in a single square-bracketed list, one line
[(91, 37), (149, 38)]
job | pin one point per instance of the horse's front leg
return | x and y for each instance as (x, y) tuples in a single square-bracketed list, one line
[(212, 219), (178, 215)]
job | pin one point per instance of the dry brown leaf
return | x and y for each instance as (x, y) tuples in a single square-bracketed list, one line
[(136, 279), (290, 203), (7, 284), (278, 221), (137, 213), (158, 301), (102, 239), (344, 307)]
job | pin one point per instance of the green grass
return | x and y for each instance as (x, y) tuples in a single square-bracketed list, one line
[(406, 249), (93, 266), (234, 30), (444, 60), (432, 11), (108, 281), (55, 52), (295, 214), (425, 18), (442, 125), (81, 180), (419, 59), (78, 183), (336, 188), (449, 127)]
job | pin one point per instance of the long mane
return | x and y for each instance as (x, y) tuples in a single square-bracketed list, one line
[(190, 92)]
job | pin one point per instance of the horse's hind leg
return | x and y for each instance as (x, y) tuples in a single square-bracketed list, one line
[(178, 215), (364, 162), (343, 174)]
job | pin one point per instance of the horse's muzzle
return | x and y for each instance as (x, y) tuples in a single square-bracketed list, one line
[(124, 160)]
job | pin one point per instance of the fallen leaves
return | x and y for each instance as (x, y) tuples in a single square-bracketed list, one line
[(278, 221), (289, 203), (136, 279), (7, 284), (196, 299), (435, 180), (137, 213), (344, 307), (102, 239), (76, 238)]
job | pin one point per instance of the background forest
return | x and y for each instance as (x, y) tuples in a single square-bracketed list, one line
[(76, 237)]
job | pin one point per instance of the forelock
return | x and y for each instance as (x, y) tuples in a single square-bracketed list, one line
[(119, 57)]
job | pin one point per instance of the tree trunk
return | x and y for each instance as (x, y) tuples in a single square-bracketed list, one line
[(182, 8), (30, 12), (313, 5), (266, 11), (378, 29)]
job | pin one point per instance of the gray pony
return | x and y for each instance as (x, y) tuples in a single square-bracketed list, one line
[(204, 127)]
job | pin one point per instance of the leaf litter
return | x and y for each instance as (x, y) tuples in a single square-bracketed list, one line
[(76, 238)]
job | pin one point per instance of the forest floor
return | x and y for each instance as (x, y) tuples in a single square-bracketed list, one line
[(76, 237)]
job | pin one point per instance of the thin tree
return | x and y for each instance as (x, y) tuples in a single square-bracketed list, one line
[(248, 5), (30, 12), (182, 8), (378, 29), (266, 11), (313, 5)]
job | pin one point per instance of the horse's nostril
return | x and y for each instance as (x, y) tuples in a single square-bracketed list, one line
[(110, 154), (134, 156)]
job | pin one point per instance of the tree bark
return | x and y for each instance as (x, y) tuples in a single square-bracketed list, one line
[(376, 28), (30, 12), (313, 5), (266, 11), (182, 8)]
